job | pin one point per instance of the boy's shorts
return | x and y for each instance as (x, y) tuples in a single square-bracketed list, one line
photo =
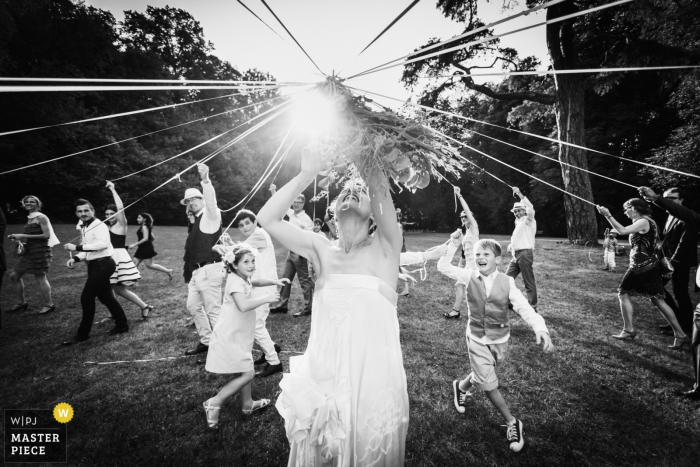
[(484, 359)]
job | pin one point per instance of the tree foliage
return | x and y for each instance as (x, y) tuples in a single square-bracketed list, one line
[(63, 38)]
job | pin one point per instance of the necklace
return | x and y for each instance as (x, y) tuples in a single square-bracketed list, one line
[(347, 250)]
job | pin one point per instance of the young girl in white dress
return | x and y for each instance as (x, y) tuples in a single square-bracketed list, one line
[(231, 345)]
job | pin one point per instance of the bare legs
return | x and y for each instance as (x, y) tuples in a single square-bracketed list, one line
[(494, 396), (628, 315), (41, 281), (123, 292), (151, 265)]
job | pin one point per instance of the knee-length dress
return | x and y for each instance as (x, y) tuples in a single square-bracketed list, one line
[(345, 401), (231, 344), (126, 273), (37, 257), (145, 250), (643, 277)]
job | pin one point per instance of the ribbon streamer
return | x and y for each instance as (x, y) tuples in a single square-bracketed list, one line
[(174, 81), (141, 136), (472, 32), (260, 19), (205, 159), (408, 8), (201, 144), (292, 36), (265, 172), (508, 165), (432, 109), (487, 39), (565, 72), (129, 88), (123, 114)]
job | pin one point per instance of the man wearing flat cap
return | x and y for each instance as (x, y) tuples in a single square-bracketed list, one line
[(204, 287), (522, 245)]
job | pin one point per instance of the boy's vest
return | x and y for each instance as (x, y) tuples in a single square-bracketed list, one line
[(488, 316), (198, 245)]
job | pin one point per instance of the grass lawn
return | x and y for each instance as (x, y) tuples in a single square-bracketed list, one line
[(594, 401)]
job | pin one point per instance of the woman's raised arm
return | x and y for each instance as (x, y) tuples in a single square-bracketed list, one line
[(271, 214), (384, 213), (121, 217)]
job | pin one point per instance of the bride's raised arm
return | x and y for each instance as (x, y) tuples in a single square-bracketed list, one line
[(384, 213), (271, 214)]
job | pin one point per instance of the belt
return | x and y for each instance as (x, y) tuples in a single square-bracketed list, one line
[(204, 263), (101, 258)]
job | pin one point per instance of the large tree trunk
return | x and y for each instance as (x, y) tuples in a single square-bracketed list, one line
[(581, 221)]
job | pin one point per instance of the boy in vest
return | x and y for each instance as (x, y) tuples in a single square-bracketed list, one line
[(266, 267), (489, 294)]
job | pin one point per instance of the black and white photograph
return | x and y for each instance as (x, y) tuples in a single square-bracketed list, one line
[(358, 233)]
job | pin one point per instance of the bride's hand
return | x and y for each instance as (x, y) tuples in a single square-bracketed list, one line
[(311, 160)]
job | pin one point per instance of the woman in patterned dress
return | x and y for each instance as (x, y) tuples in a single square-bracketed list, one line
[(38, 239), (126, 273), (643, 277)]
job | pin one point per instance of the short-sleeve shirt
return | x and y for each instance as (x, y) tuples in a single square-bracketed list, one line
[(236, 284)]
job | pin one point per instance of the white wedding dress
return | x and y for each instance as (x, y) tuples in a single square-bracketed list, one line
[(345, 401)]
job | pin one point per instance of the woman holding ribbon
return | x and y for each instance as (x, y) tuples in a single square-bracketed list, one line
[(345, 401), (643, 276), (34, 250), (126, 273)]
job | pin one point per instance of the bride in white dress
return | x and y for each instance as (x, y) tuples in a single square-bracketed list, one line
[(345, 402)]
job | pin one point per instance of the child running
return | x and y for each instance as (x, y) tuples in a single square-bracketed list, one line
[(489, 294), (609, 249), (231, 344)]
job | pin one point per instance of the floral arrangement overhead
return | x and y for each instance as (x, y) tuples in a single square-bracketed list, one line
[(361, 141)]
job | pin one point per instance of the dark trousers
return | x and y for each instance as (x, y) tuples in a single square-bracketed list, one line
[(522, 263), (695, 348), (2, 274), (294, 265), (97, 286), (682, 306)]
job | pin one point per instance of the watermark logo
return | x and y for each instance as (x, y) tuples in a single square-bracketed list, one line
[(63, 413), (37, 435)]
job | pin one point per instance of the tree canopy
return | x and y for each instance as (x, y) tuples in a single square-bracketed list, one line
[(645, 116)]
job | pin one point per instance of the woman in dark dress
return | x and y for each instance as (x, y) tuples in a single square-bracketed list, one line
[(644, 275), (37, 240), (145, 251)]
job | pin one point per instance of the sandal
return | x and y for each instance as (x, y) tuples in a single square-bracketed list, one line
[(451, 316), (624, 335), (211, 421), (680, 342), (257, 405), (145, 311)]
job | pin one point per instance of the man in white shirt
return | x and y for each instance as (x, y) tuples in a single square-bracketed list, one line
[(96, 249), (296, 264), (522, 245), (205, 286), (265, 268)]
